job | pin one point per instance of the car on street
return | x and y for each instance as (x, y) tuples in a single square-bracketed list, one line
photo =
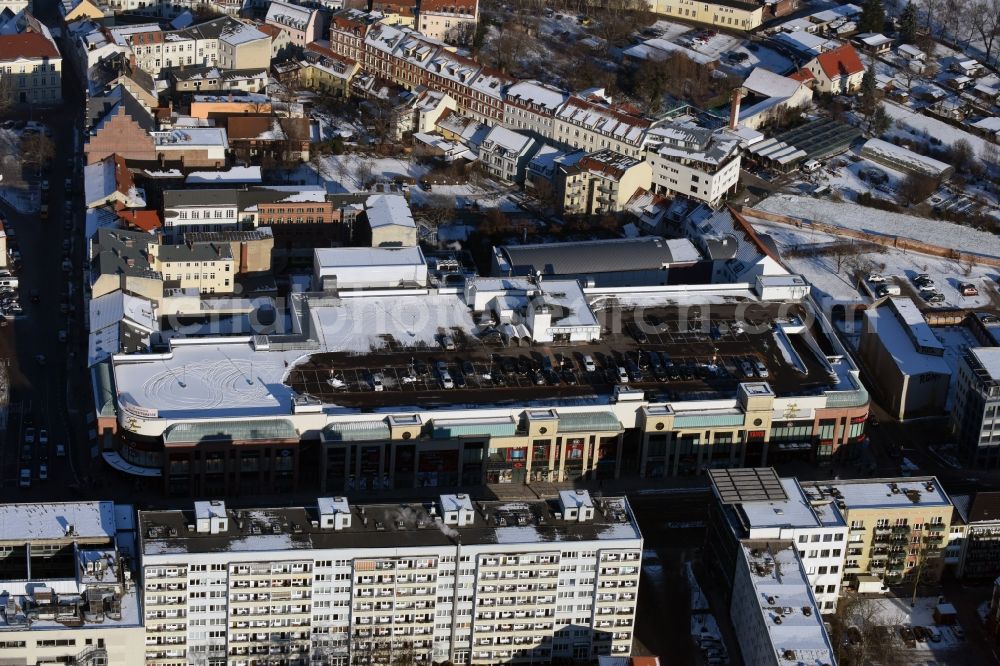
[(24, 481), (43, 472), (43, 437), (29, 435), (60, 451)]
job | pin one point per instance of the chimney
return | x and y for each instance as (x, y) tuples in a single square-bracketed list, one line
[(734, 108)]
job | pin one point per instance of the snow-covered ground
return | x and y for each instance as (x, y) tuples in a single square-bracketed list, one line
[(831, 285), (850, 178), (927, 127), (860, 218), (488, 195), (342, 171), (890, 611)]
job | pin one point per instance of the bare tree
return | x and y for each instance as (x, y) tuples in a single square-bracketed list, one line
[(862, 635), (37, 150), (917, 187), (990, 153), (439, 209), (461, 34), (984, 17), (365, 171), (841, 252)]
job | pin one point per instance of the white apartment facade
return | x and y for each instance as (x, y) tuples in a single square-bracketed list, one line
[(531, 107), (692, 161), (817, 529), (506, 153), (474, 583)]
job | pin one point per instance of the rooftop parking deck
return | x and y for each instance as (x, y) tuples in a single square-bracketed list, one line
[(676, 353)]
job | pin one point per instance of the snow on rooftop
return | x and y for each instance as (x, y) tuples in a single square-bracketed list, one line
[(535, 93), (386, 210), (369, 256), (236, 174), (766, 82), (890, 151), (989, 358), (224, 377), (792, 512), (508, 139), (52, 520), (184, 139), (898, 333), (782, 590), (362, 324), (888, 493)]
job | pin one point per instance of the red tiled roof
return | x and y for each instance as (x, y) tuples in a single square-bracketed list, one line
[(841, 61), (123, 177), (268, 29), (154, 37), (453, 6), (146, 220), (802, 76), (327, 52), (26, 45), (247, 127)]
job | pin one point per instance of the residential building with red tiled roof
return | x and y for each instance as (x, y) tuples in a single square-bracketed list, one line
[(838, 71), (32, 66)]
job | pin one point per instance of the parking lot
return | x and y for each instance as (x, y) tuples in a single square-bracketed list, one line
[(662, 352)]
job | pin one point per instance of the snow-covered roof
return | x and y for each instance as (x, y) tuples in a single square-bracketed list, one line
[(339, 257), (110, 309), (794, 511), (989, 358), (835, 13), (911, 52), (990, 124), (240, 33), (899, 155), (805, 42), (873, 39), (537, 95), (504, 139), (52, 520), (388, 210), (765, 82), (890, 493), (905, 335), (184, 139), (236, 174), (783, 592), (289, 15)]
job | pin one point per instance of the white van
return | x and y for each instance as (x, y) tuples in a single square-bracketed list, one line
[(811, 166), (588, 363), (8, 281)]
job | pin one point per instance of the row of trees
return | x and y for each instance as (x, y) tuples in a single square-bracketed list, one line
[(964, 22)]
